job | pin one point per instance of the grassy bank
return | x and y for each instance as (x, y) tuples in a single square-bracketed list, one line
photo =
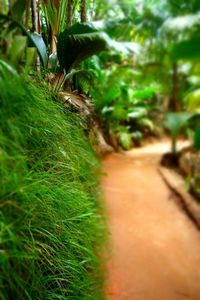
[(50, 225)]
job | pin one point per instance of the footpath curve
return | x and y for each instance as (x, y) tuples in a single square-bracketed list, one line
[(154, 249)]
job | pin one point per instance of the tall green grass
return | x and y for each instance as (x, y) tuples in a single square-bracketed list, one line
[(50, 224)]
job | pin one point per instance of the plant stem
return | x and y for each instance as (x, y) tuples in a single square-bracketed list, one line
[(83, 11)]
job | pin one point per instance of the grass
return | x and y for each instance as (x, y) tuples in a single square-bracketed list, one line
[(50, 223)]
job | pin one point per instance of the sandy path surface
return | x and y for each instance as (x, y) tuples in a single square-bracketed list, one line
[(154, 247)]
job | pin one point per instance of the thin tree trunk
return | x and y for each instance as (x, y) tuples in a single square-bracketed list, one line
[(174, 104), (38, 17), (34, 16), (52, 41), (10, 7), (83, 11), (69, 12), (27, 13)]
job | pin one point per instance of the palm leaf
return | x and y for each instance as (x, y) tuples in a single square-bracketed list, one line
[(77, 43), (39, 43)]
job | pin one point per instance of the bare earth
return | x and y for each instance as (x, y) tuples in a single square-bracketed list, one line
[(155, 248)]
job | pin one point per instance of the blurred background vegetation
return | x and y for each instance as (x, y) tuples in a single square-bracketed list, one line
[(134, 60), (108, 73)]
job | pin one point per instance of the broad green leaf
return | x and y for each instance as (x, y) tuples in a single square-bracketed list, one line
[(125, 140), (192, 100), (145, 122), (174, 122), (40, 46), (77, 43), (187, 50), (137, 112)]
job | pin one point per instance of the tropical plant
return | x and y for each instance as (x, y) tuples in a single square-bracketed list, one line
[(175, 122)]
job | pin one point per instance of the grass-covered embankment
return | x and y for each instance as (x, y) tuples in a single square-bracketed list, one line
[(50, 225)]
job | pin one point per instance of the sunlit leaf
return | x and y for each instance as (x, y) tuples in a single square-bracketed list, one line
[(137, 113), (125, 140), (192, 100)]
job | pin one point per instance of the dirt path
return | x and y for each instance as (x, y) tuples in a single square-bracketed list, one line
[(155, 247)]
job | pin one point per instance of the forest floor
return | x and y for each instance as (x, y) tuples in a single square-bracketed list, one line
[(154, 250)]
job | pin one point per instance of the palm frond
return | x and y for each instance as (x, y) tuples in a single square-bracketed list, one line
[(78, 43)]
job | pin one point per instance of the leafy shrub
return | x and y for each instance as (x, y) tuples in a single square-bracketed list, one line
[(51, 227)]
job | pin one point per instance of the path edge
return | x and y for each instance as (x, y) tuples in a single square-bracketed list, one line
[(177, 185)]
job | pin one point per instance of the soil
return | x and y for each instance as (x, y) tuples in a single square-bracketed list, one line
[(154, 249)]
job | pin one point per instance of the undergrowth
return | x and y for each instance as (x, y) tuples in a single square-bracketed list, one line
[(50, 222)]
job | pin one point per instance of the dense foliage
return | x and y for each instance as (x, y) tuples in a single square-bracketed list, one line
[(50, 216)]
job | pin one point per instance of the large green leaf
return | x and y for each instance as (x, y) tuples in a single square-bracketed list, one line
[(174, 122), (192, 100), (187, 50), (125, 140), (78, 43), (137, 112), (40, 46)]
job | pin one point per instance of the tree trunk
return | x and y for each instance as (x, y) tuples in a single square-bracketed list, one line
[(69, 12), (38, 17), (34, 16), (83, 11), (174, 104), (10, 7), (35, 22), (27, 13)]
